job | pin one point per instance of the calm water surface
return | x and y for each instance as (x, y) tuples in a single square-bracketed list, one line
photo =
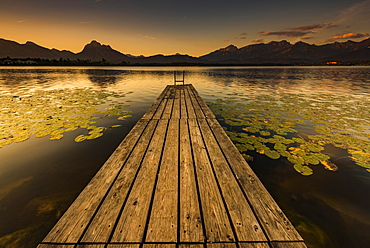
[(40, 178)]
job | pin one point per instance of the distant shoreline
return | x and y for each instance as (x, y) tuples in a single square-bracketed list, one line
[(30, 62)]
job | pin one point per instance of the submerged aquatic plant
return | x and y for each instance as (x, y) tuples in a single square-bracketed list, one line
[(269, 125), (55, 112)]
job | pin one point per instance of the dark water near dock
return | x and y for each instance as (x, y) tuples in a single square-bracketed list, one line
[(40, 178)]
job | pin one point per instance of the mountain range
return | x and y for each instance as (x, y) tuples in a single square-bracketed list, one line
[(275, 52)]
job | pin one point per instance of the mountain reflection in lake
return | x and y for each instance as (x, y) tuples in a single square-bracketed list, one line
[(39, 177)]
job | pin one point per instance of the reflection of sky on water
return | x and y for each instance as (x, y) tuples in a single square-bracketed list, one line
[(38, 171)]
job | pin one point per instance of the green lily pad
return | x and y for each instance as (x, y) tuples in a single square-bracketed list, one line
[(81, 138)]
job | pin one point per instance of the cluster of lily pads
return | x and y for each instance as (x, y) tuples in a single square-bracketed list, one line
[(269, 124), (54, 112)]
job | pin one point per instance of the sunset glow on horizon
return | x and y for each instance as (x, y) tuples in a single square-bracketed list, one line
[(187, 27)]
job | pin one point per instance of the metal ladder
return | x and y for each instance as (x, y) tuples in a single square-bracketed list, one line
[(175, 80)]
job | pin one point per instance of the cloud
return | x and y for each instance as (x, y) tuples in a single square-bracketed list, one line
[(243, 34), (226, 39), (312, 27), (22, 21), (348, 36), (258, 41), (306, 38), (356, 11), (146, 36), (286, 33)]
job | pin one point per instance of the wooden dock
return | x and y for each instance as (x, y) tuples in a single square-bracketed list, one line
[(176, 180)]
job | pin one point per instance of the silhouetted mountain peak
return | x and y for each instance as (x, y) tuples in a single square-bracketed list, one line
[(94, 43), (231, 48)]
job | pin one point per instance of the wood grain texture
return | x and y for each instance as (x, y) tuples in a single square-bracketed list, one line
[(183, 110), (55, 246), (159, 246), (217, 223), (189, 104), (288, 245), (273, 220), (131, 225), (191, 227), (163, 217), (254, 245), (103, 223), (176, 109), (123, 246), (221, 245), (245, 223), (191, 246), (197, 108)]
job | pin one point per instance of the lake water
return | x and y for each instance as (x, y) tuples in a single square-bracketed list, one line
[(58, 125)]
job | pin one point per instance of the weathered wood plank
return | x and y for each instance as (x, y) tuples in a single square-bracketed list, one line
[(90, 246), (158, 114), (273, 220), (163, 217), (123, 246), (245, 223), (254, 245), (217, 224), (206, 110), (159, 245), (70, 227), (55, 246), (153, 109), (191, 246), (183, 110), (170, 100), (191, 229), (131, 225), (197, 108), (176, 111), (221, 245), (189, 104), (103, 223), (288, 245)]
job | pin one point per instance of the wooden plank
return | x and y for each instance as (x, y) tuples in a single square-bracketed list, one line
[(254, 245), (221, 245), (245, 223), (153, 109), (159, 245), (163, 217), (197, 109), (176, 104), (191, 229), (288, 245), (170, 100), (90, 246), (183, 110), (123, 246), (158, 114), (55, 246), (70, 227), (191, 246), (273, 220), (217, 224), (103, 223), (131, 225), (206, 110), (188, 103)]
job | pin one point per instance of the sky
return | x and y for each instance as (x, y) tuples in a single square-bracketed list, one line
[(194, 27)]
